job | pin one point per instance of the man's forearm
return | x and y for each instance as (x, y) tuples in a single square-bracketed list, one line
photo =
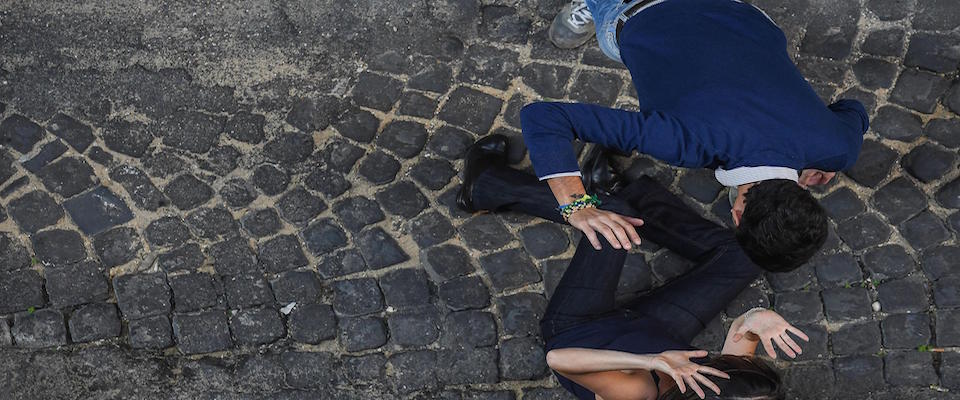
[(585, 361), (566, 189)]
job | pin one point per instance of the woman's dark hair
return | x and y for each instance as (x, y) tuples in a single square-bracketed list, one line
[(750, 378), (782, 225)]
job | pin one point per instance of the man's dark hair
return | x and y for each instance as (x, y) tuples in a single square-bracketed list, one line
[(750, 378), (782, 225)]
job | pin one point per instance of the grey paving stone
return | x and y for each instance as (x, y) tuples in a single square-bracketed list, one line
[(433, 173), (939, 261), (890, 261), (861, 338), (204, 332), (142, 295), (545, 79), (933, 51), (910, 368), (296, 286), (340, 156), (5, 339), (435, 77), (489, 395), (504, 24), (363, 333), (749, 298), (41, 328), (94, 322), (34, 210), (485, 232), (928, 162), (919, 90), (379, 249), (846, 303), (402, 198), (520, 313), (948, 327), (221, 160), (875, 73), (13, 254), (405, 288), (100, 156), (541, 393), (596, 87), (191, 131), (310, 115), (242, 291), (474, 365), (341, 263), (366, 368), (310, 369), (184, 258), (312, 323), (187, 192), (137, 184), (898, 200), (74, 132), (20, 133), (838, 270), (873, 164), (357, 212), (450, 142), (75, 284), (117, 246), (937, 15), (417, 105), (954, 222), (464, 293), (890, 10), (129, 138), (289, 148), (799, 307), (15, 185), (281, 253), (799, 279), (270, 179), (163, 163), (946, 292), (509, 269), (376, 91), (358, 125), (194, 291), (414, 328), (403, 138), (924, 230), (544, 240), (522, 359), (897, 124), (261, 223), (259, 372), (357, 297), (20, 290), (7, 169), (943, 131), (379, 168), (151, 333), (256, 326), (489, 66), (59, 246), (298, 206), (410, 373), (232, 256), (446, 262), (471, 109), (212, 223), (949, 195), (329, 183), (903, 295), (49, 152), (950, 370), (868, 99), (842, 204), (859, 374), (952, 100), (824, 39), (464, 329), (323, 236), (905, 331), (863, 231), (245, 127)]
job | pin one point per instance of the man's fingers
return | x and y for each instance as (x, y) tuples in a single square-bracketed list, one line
[(693, 385), (592, 237), (630, 230), (634, 221), (620, 232), (769, 348), (708, 383), (798, 332), (607, 233), (784, 346)]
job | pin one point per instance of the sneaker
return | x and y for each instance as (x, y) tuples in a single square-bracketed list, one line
[(572, 27)]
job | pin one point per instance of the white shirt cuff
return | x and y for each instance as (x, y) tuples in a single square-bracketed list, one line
[(560, 175), (743, 175)]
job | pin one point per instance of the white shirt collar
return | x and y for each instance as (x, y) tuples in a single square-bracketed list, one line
[(743, 175)]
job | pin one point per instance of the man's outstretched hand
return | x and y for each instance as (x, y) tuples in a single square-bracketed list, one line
[(619, 230), (768, 327)]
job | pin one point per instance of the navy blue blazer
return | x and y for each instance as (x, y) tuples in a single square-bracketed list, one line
[(716, 89)]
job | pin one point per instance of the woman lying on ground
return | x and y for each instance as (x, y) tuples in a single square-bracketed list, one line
[(640, 350)]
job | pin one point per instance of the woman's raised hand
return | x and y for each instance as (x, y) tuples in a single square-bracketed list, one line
[(769, 327), (677, 364)]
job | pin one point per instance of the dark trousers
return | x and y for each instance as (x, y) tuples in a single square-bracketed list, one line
[(586, 291)]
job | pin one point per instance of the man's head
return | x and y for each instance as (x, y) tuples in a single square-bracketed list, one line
[(779, 224), (750, 378)]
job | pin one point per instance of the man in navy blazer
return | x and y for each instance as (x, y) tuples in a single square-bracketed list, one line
[(716, 89)]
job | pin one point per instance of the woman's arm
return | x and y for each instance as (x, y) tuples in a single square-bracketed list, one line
[(583, 361)]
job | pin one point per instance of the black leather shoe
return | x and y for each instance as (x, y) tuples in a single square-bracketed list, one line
[(598, 175), (488, 151)]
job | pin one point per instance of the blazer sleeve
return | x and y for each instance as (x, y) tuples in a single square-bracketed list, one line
[(853, 116), (550, 127)]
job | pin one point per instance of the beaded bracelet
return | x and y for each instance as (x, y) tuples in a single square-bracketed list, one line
[(587, 201)]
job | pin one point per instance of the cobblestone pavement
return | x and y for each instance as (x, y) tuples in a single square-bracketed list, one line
[(254, 200)]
